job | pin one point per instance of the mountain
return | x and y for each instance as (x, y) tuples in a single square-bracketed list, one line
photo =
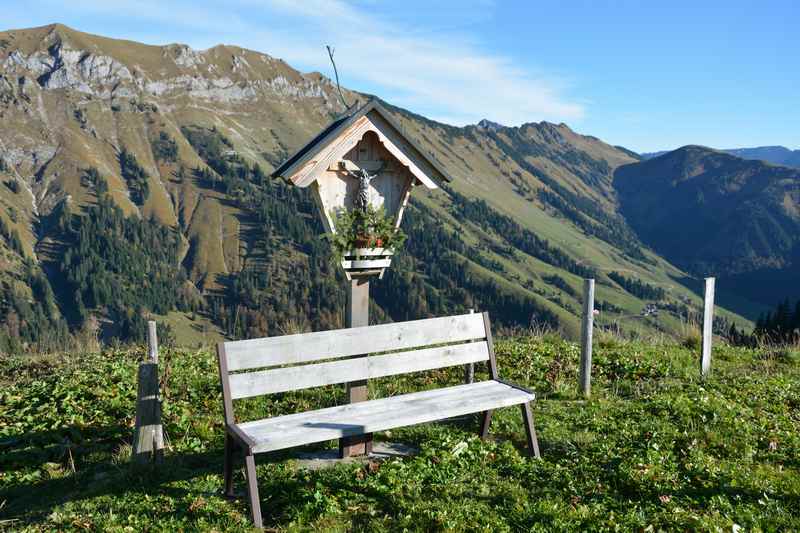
[(713, 213), (651, 155), (135, 184), (777, 155), (489, 125)]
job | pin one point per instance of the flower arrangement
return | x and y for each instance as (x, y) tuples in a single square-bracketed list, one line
[(368, 228)]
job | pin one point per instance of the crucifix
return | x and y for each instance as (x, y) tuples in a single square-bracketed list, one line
[(361, 201)]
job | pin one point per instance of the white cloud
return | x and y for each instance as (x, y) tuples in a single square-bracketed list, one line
[(442, 74)]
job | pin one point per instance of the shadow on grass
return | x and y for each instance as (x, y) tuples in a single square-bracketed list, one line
[(88, 464), (50, 468), (102, 475)]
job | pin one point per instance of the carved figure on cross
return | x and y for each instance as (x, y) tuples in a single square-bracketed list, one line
[(361, 201)]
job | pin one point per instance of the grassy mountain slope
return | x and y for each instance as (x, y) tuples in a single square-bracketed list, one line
[(714, 213), (182, 138)]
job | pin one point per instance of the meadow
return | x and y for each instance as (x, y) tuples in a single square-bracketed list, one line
[(655, 448)]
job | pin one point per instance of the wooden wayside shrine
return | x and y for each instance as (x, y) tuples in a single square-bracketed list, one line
[(362, 157)]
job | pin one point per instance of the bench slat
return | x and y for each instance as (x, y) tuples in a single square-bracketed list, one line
[(306, 347), (399, 412), (380, 415), (368, 406), (329, 373)]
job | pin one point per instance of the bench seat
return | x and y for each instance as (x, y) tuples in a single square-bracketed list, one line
[(381, 414)]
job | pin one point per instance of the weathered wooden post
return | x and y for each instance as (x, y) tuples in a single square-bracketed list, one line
[(469, 368), (148, 440), (708, 328), (587, 325), (361, 164)]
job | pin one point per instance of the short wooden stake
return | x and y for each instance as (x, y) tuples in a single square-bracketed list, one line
[(708, 328), (357, 314), (148, 439), (469, 368), (587, 324)]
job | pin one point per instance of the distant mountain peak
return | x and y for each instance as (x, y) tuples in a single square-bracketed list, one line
[(489, 125), (776, 155)]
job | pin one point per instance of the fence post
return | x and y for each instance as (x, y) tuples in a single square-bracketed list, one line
[(708, 328), (148, 440), (469, 368), (587, 323)]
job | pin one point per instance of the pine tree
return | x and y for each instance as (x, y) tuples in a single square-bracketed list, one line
[(783, 318), (796, 320)]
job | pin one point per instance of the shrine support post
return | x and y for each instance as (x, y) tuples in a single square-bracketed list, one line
[(357, 314)]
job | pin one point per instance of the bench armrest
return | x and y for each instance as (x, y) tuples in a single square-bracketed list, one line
[(515, 386), (239, 435)]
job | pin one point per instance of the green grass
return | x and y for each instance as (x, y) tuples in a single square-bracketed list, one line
[(655, 448), (190, 330)]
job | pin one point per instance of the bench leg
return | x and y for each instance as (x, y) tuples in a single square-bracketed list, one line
[(230, 448), (355, 445), (527, 417), (368, 444), (252, 488), (487, 419)]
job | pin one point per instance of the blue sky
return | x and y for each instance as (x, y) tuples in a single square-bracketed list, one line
[(648, 75)]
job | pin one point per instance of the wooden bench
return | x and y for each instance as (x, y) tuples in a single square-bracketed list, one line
[(417, 345)]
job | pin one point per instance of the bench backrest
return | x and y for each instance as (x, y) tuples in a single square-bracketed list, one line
[(248, 368)]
